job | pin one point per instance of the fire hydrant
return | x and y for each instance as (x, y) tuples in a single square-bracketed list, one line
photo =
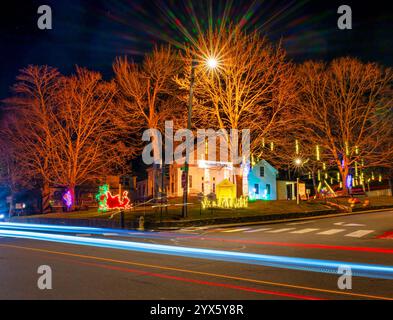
[(141, 223)]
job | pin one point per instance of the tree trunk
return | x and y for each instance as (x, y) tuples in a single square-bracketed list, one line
[(45, 193), (314, 183)]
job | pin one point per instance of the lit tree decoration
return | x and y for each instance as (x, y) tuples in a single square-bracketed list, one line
[(101, 198), (67, 198)]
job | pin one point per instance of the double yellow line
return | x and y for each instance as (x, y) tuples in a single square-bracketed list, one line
[(222, 276)]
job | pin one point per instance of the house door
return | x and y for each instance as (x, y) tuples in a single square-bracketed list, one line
[(289, 192)]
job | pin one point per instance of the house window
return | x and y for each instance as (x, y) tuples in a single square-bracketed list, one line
[(262, 171), (268, 189), (173, 187), (256, 188), (214, 188), (190, 181), (203, 187)]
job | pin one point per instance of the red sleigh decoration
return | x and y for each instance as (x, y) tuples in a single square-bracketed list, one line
[(114, 202)]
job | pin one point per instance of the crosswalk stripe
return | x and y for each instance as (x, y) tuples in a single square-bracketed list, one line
[(281, 230), (257, 230), (235, 230), (331, 231), (359, 233), (305, 230)]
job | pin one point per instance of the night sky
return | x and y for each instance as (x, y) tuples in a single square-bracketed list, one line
[(92, 33)]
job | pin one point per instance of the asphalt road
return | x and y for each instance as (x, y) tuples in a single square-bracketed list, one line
[(145, 269)]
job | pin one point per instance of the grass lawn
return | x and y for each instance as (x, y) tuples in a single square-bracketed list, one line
[(174, 211), (257, 208)]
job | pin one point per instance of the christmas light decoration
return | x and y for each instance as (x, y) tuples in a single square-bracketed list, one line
[(271, 146), (297, 146), (67, 198), (101, 197), (107, 201), (115, 202), (318, 153)]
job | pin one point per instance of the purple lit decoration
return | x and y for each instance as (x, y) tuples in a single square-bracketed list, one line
[(67, 198), (349, 181)]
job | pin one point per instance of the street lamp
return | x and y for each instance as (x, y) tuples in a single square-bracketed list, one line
[(211, 63), (298, 163)]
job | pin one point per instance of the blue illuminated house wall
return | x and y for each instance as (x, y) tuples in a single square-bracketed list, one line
[(258, 185)]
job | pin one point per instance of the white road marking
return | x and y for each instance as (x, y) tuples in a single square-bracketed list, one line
[(257, 230), (305, 230), (349, 224), (281, 230), (303, 222), (331, 231), (235, 230), (110, 234), (359, 233)]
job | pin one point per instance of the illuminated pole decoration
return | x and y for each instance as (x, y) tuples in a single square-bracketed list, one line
[(318, 155), (68, 200), (297, 146)]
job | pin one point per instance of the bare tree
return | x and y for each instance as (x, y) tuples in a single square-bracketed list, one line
[(29, 123), (251, 87), (62, 128), (86, 145), (148, 95), (346, 109)]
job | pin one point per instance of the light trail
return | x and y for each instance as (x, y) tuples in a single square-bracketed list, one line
[(160, 235), (303, 264)]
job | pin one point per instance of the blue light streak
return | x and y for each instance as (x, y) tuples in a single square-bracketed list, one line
[(304, 264), (69, 229)]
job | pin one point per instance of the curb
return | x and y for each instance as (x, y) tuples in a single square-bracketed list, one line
[(332, 215)]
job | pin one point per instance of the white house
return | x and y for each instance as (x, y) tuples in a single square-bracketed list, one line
[(258, 182)]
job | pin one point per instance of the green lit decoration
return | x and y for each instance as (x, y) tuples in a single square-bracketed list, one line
[(101, 197)]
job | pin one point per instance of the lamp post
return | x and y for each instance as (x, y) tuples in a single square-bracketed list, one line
[(298, 163), (211, 63), (186, 164)]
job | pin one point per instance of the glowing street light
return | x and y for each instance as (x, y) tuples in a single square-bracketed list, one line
[(298, 162), (212, 63)]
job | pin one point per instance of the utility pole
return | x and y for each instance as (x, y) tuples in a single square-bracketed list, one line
[(186, 164)]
